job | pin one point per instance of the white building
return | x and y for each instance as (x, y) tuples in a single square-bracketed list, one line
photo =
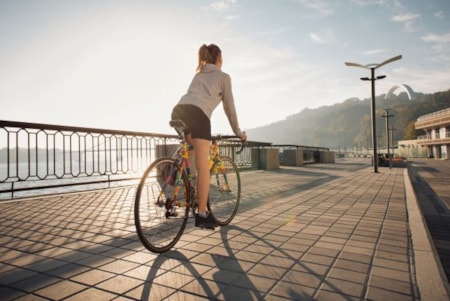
[(436, 140)]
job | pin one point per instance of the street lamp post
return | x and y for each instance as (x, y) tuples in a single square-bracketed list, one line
[(387, 136), (391, 130), (372, 68)]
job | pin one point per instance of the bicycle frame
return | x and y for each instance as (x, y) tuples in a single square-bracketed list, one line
[(214, 158), (184, 165)]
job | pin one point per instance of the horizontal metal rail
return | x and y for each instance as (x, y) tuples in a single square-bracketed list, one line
[(43, 157), (310, 153)]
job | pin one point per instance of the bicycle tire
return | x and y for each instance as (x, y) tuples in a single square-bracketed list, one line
[(224, 190), (157, 231)]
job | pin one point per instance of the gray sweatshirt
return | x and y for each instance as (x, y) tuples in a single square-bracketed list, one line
[(208, 88)]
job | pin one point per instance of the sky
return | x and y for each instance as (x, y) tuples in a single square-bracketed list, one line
[(123, 65)]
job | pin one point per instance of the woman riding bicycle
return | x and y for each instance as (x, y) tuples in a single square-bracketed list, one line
[(209, 87)]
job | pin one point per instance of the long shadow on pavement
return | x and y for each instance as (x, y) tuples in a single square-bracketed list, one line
[(242, 288)]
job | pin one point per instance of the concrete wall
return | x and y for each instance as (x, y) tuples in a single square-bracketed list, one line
[(327, 157), (268, 158), (293, 157)]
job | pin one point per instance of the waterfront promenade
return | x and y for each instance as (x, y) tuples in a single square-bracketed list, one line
[(317, 232)]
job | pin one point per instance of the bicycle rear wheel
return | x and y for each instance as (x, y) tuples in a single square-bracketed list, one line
[(224, 190), (160, 212)]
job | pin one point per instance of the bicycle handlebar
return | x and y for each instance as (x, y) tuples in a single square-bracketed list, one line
[(229, 137), (180, 127)]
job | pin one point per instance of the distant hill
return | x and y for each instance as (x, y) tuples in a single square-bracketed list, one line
[(348, 124)]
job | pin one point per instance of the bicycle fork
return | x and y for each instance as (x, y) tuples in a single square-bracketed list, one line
[(223, 171)]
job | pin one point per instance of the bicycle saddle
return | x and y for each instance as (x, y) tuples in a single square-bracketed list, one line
[(181, 128)]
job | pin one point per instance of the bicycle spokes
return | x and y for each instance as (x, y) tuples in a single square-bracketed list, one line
[(161, 210), (225, 188)]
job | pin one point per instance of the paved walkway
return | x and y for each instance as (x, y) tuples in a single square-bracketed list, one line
[(319, 232)]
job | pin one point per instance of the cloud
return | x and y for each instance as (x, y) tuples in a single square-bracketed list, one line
[(435, 38), (440, 43), (323, 8), (440, 15), (406, 17), (375, 51), (225, 8), (231, 17), (222, 5), (315, 38), (368, 2)]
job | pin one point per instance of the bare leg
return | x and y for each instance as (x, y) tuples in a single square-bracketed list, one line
[(192, 159), (201, 151)]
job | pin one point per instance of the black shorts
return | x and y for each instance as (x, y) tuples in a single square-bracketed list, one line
[(198, 123)]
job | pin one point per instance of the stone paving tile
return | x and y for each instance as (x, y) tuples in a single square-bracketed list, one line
[(292, 291), (305, 279), (312, 268), (347, 275), (324, 295), (9, 293), (219, 275), (351, 265), (347, 288), (149, 291), (204, 288), (35, 282), (92, 294), (119, 284), (61, 290), (325, 232), (92, 277), (379, 294), (396, 286)]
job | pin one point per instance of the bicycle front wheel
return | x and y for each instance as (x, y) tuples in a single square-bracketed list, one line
[(161, 206), (224, 190)]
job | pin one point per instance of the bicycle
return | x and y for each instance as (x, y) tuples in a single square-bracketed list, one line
[(166, 193)]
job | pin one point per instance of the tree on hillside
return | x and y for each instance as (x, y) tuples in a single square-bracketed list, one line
[(365, 133), (411, 132)]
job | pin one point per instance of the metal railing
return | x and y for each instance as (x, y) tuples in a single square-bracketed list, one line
[(311, 154), (47, 158), (437, 136)]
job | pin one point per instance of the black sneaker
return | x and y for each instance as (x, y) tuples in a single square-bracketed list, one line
[(207, 222)]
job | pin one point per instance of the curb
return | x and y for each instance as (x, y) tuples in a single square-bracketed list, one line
[(431, 279)]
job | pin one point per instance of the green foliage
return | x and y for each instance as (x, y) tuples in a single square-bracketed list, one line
[(349, 123), (411, 133)]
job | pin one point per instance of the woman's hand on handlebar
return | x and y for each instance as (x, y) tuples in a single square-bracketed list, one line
[(243, 137)]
